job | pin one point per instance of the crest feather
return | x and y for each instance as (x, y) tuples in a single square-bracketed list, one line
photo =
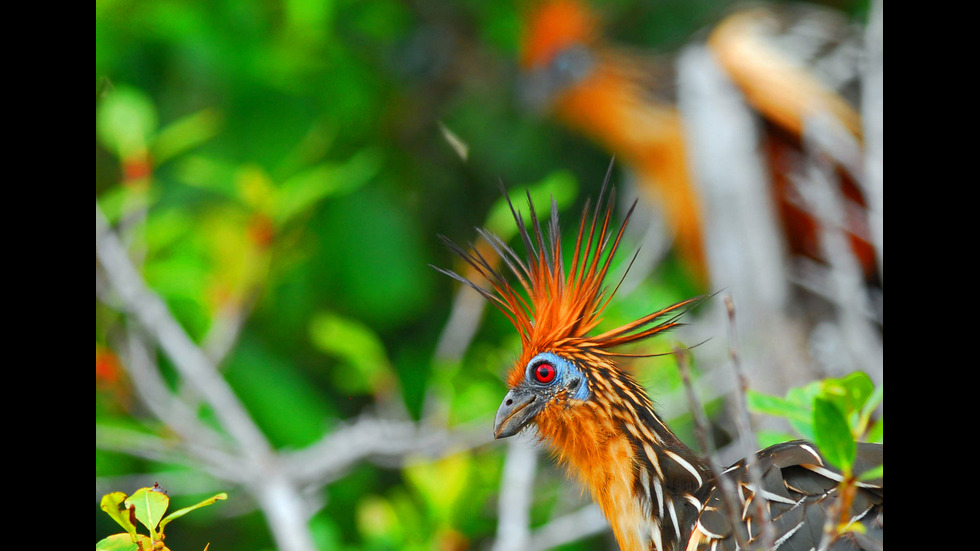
[(554, 309)]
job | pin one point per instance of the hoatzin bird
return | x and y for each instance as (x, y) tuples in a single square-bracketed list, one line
[(656, 493), (625, 102)]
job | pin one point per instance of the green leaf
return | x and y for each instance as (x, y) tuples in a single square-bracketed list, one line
[(803, 397), (779, 407), (215, 175), (114, 506), (867, 428), (123, 542), (849, 392), (151, 504), (877, 471), (833, 434), (125, 121), (873, 401), (875, 431), (181, 512)]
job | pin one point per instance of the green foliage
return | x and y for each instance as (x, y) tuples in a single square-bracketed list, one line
[(832, 434), (149, 507), (834, 413)]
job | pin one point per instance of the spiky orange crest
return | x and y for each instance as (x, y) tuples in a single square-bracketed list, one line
[(552, 27), (555, 307)]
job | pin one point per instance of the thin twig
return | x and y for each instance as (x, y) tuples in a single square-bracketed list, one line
[(727, 488), (745, 430), (148, 446), (166, 406), (221, 338)]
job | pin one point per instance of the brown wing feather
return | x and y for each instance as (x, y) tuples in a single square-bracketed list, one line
[(799, 488)]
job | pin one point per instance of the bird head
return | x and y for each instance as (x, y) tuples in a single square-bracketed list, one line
[(557, 51), (549, 384), (564, 371)]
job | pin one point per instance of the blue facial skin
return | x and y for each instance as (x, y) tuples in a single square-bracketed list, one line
[(525, 400), (567, 375)]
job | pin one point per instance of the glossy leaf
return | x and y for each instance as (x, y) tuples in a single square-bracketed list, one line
[(849, 393), (778, 407), (872, 474), (833, 434), (123, 542), (181, 512), (150, 506), (114, 506)]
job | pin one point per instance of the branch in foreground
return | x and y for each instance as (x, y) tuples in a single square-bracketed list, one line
[(285, 509), (189, 360), (379, 439)]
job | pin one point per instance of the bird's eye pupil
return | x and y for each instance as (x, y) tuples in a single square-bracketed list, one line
[(544, 373)]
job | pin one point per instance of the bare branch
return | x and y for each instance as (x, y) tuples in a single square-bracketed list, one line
[(142, 444), (372, 438), (153, 392), (286, 511), (741, 231), (189, 360)]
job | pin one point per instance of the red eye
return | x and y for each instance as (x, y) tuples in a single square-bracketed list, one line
[(544, 372)]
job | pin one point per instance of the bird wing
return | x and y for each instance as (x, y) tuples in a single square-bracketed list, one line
[(798, 490)]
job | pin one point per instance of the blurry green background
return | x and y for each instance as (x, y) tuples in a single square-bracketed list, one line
[(285, 168)]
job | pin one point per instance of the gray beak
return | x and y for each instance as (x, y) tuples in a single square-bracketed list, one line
[(516, 411)]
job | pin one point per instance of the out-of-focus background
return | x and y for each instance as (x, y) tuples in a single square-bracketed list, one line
[(271, 182)]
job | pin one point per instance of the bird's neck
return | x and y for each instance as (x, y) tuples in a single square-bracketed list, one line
[(615, 110), (647, 483), (648, 134)]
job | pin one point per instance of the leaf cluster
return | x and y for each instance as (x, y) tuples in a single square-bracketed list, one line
[(148, 506), (834, 413)]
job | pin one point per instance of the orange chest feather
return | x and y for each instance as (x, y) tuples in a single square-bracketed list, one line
[(603, 459)]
